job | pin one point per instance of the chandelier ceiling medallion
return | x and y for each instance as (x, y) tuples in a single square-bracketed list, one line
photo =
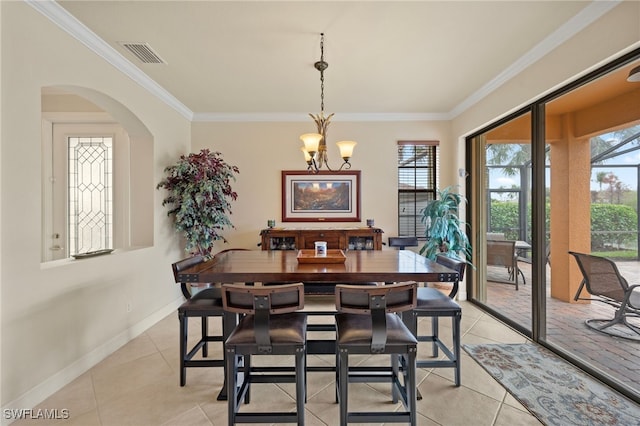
[(315, 144)]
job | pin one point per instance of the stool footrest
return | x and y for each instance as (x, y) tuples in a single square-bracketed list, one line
[(284, 417), (379, 417)]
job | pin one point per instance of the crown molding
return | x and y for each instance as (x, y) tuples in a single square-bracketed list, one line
[(299, 117), (577, 23), (63, 19), (58, 15)]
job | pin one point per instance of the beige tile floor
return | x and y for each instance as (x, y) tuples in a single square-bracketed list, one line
[(138, 385)]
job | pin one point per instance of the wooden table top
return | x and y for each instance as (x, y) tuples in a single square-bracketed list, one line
[(274, 266)]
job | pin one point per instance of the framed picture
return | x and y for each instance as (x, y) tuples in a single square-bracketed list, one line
[(321, 197)]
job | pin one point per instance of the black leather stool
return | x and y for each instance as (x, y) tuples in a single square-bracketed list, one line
[(367, 323), (204, 304), (434, 304), (270, 326)]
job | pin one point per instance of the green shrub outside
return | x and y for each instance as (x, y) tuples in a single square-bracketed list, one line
[(612, 225)]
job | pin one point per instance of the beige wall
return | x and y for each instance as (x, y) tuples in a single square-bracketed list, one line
[(58, 320), (61, 318), (262, 150), (615, 33)]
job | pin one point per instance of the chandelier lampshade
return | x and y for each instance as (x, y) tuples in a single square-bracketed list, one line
[(346, 149), (311, 142)]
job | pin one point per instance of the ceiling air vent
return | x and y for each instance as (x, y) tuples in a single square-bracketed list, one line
[(144, 52)]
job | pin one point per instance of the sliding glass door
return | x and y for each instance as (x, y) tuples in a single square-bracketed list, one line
[(561, 175), (503, 197)]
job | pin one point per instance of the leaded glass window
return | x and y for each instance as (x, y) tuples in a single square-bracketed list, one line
[(90, 193)]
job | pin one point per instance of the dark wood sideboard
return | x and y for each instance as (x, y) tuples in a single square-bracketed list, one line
[(348, 238)]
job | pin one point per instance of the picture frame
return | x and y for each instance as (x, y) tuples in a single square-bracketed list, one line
[(320, 197)]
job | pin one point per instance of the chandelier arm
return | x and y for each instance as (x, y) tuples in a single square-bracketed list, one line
[(345, 165), (326, 162)]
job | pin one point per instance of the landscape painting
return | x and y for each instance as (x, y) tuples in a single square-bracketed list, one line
[(320, 197)]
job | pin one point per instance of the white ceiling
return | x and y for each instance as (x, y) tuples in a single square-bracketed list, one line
[(235, 59)]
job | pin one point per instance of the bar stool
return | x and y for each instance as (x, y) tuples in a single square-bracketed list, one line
[(204, 304), (434, 304), (367, 324), (270, 326), (402, 242)]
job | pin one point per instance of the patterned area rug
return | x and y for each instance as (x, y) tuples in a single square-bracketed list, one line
[(554, 391)]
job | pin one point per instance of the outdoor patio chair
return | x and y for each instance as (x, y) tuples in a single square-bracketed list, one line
[(604, 283), (503, 253)]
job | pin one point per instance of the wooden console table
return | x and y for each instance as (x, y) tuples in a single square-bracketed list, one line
[(349, 238)]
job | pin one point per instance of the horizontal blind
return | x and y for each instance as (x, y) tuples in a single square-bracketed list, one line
[(417, 183)]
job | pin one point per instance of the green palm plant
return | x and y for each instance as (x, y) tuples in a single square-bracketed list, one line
[(200, 195), (445, 232)]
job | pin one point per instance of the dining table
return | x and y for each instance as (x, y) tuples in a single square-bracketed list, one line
[(284, 266), (359, 266)]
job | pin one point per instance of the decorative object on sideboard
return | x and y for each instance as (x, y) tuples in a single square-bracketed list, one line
[(199, 195), (315, 144)]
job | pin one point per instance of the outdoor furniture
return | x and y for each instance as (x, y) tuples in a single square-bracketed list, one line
[(367, 323), (604, 283), (270, 326), (503, 253), (434, 304)]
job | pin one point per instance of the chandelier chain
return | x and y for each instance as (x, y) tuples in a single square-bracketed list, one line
[(315, 148), (322, 74)]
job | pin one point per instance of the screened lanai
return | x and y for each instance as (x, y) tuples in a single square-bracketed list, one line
[(615, 173), (560, 175)]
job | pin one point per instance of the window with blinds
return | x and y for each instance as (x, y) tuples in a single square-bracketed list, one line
[(418, 163)]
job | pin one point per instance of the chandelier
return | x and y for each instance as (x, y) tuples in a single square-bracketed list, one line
[(315, 144)]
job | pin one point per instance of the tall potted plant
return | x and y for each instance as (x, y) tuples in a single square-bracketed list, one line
[(445, 232), (199, 196)]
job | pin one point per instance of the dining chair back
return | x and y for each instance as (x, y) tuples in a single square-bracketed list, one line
[(402, 242), (368, 323), (270, 324), (181, 265)]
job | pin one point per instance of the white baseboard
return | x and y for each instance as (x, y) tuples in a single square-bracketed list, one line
[(42, 391)]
